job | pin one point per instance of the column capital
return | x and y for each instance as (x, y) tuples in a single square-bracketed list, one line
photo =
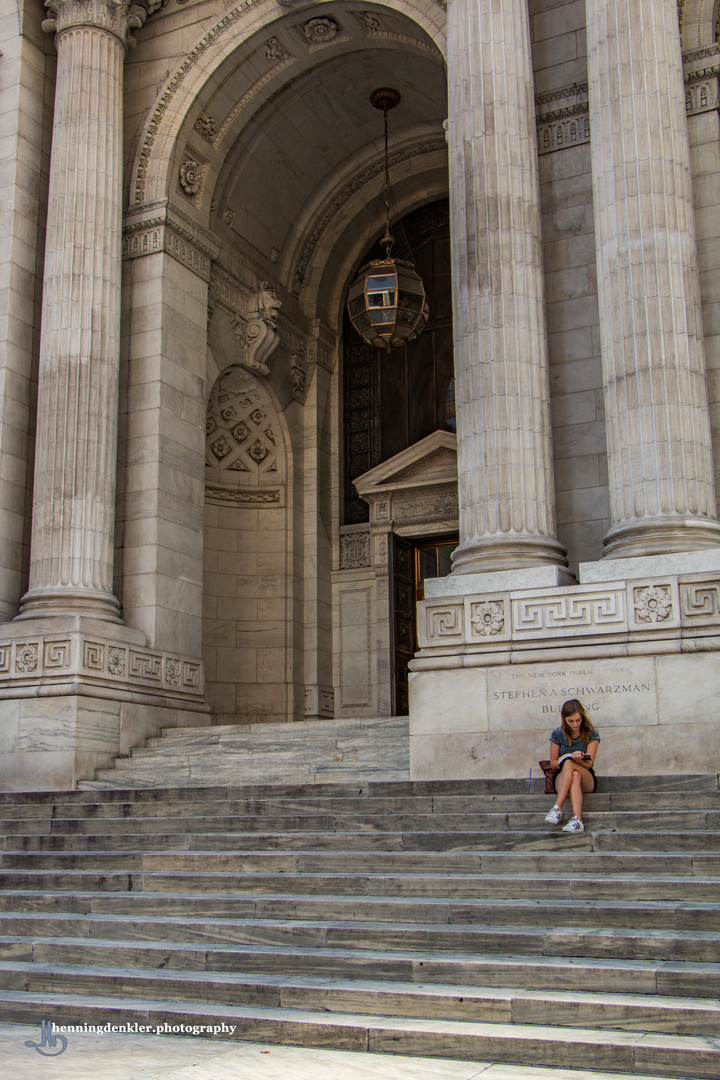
[(114, 16)]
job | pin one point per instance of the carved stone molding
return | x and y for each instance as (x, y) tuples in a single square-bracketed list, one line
[(320, 30), (298, 370), (208, 40), (160, 226), (319, 701), (205, 125), (701, 95), (574, 90), (114, 16), (53, 660), (190, 176), (355, 550), (275, 50), (247, 497), (568, 124), (405, 153), (606, 616), (260, 337)]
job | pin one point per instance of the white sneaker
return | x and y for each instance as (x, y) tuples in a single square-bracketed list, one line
[(574, 825), (555, 816)]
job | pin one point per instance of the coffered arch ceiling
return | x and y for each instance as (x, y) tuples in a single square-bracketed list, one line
[(295, 158)]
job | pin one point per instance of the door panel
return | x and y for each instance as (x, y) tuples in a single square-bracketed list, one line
[(402, 619)]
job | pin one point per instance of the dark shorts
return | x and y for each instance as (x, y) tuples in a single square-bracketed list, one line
[(592, 773)]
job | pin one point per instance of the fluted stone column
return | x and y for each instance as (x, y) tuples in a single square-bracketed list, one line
[(507, 516), (75, 462), (658, 430)]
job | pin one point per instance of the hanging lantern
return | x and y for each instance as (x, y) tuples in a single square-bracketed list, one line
[(387, 304)]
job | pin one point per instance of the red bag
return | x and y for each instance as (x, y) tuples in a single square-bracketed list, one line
[(549, 769)]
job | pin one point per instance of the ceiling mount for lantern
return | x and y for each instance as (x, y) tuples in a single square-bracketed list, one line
[(387, 304)]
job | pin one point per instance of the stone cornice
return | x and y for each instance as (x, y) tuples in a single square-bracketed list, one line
[(161, 226)]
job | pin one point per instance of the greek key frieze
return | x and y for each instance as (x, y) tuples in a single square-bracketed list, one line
[(446, 621), (145, 666), (56, 654), (5, 653), (93, 655), (191, 675), (700, 601), (586, 613)]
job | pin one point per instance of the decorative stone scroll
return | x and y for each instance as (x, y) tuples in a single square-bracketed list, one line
[(260, 337)]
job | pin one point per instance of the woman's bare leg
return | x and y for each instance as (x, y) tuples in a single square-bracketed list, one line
[(581, 781), (563, 781)]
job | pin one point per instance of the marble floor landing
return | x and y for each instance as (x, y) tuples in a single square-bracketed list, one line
[(148, 1057)]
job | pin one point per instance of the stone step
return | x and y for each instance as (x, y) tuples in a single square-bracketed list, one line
[(489, 823), (642, 1053), (528, 887), (91, 790), (378, 725), (155, 841), (571, 940), (626, 913), (487, 1004), (572, 860), (596, 840), (523, 971), (68, 805)]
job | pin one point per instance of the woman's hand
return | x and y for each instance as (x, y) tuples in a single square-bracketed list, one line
[(578, 755)]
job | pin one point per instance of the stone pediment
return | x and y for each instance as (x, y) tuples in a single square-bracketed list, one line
[(430, 462)]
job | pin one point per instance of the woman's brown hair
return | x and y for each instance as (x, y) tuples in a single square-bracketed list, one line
[(586, 728)]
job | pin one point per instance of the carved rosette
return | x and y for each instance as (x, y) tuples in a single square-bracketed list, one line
[(190, 176), (487, 618), (320, 30), (653, 604)]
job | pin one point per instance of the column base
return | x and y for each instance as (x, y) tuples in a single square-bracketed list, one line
[(66, 603), (654, 716), (639, 649), (49, 743), (76, 692), (660, 536), (479, 556)]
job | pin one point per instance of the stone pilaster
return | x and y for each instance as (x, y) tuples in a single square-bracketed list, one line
[(658, 431), (507, 516), (75, 462)]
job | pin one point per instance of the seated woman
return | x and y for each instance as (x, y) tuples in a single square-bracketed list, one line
[(573, 745)]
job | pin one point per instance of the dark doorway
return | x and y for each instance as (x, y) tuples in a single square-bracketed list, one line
[(392, 400)]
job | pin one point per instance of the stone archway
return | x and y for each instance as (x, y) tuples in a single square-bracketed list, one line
[(262, 162)]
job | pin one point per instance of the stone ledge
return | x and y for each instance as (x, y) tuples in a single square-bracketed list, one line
[(617, 614), (35, 664)]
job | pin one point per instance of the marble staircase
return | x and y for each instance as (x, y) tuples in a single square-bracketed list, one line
[(432, 918), (308, 752)]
